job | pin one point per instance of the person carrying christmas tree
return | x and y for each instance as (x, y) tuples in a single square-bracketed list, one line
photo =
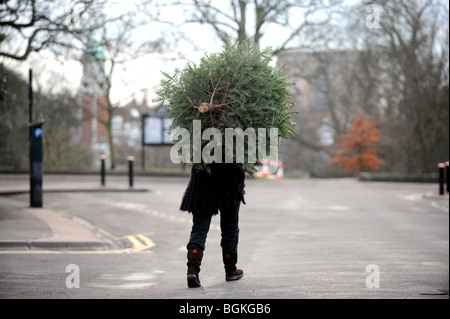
[(236, 88), (207, 193)]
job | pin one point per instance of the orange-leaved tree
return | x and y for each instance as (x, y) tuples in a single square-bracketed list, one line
[(356, 151)]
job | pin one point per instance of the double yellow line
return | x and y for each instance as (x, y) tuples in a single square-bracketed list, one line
[(139, 243)]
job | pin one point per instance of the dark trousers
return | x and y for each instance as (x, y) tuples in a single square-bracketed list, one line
[(229, 225)]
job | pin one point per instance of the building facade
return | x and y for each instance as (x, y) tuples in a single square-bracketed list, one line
[(93, 98)]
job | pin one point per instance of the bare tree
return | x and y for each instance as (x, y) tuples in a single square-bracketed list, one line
[(62, 147), (66, 27), (413, 45), (396, 74), (328, 97), (239, 19), (28, 26), (118, 40)]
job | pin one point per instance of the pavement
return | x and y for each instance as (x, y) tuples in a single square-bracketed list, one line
[(41, 229)]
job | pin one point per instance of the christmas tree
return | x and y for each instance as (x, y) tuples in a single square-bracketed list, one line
[(236, 88)]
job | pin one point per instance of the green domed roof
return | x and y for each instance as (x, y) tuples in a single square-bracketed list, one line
[(94, 52)]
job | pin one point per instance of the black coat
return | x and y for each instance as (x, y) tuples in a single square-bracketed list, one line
[(207, 193)]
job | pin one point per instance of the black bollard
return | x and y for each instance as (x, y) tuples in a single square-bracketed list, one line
[(102, 169), (447, 173), (130, 160), (441, 167)]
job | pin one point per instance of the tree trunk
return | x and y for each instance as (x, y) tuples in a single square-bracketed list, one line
[(242, 33)]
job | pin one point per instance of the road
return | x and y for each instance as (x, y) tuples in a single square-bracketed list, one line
[(299, 239)]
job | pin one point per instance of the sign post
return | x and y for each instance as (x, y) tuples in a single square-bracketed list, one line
[(36, 152), (36, 165)]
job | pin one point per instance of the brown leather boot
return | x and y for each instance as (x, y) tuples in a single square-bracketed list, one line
[(194, 257), (230, 261)]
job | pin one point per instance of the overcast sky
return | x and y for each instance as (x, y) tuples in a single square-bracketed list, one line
[(141, 76)]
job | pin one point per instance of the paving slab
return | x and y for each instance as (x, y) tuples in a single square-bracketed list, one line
[(41, 228)]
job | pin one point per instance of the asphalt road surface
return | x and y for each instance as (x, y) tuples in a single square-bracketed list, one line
[(299, 239)]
